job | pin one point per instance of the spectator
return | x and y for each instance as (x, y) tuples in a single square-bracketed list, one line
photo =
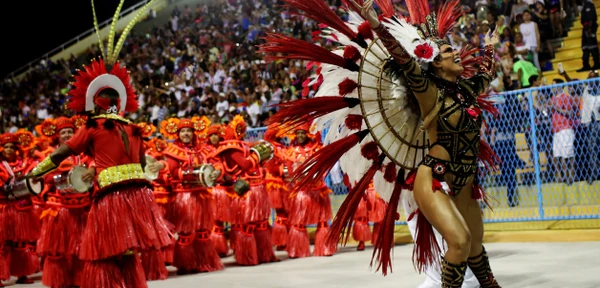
[(589, 41), (564, 111), (531, 37)]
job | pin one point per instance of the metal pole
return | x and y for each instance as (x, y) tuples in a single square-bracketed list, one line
[(536, 154)]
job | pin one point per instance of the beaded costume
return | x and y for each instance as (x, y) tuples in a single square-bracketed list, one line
[(367, 99)]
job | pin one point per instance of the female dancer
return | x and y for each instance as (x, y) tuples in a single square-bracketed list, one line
[(415, 107)]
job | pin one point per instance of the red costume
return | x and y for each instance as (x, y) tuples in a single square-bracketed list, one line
[(20, 226), (308, 205), (222, 195), (63, 219), (154, 261), (252, 244), (277, 188), (123, 218), (190, 210)]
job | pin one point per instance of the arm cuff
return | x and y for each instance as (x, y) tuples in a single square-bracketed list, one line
[(43, 167)]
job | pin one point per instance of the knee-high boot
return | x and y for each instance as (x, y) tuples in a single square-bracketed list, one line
[(480, 265), (453, 275)]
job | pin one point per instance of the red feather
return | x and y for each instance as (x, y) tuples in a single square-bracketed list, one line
[(386, 7), (279, 47), (426, 251), (487, 156), (83, 79), (365, 30), (340, 227), (390, 172), (319, 11), (294, 113), (370, 151), (352, 53), (347, 86), (479, 194), (317, 166), (447, 15), (353, 121), (418, 10), (382, 250), (468, 61), (487, 105)]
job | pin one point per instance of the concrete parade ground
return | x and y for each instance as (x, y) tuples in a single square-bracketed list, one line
[(521, 265)]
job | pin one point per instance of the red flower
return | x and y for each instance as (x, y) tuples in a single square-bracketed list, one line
[(424, 51)]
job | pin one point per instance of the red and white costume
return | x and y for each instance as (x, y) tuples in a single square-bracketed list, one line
[(63, 218), (20, 227), (252, 243), (309, 204), (191, 207)]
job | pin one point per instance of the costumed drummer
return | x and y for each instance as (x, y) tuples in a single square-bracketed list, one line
[(20, 227), (250, 209), (407, 104), (308, 204), (191, 207), (65, 214), (275, 171), (123, 218), (222, 192)]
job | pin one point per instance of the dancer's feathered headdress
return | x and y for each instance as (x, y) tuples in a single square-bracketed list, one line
[(106, 72)]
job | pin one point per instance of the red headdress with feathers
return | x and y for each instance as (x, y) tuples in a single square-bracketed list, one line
[(232, 133), (106, 72)]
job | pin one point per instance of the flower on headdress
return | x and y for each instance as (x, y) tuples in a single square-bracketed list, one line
[(424, 51), (26, 139), (169, 128), (79, 120)]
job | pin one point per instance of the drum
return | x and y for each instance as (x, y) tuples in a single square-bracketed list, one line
[(72, 181), (24, 187), (149, 175), (198, 175), (264, 150)]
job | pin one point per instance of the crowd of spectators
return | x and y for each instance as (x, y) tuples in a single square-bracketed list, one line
[(204, 60)]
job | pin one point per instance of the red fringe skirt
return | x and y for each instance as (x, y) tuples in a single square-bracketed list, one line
[(223, 196), (278, 193), (310, 207), (125, 219), (191, 211), (21, 223), (254, 206), (62, 229)]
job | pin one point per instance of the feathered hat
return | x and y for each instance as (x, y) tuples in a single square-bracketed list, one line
[(106, 72), (232, 133), (26, 139), (201, 125), (170, 128), (50, 128), (8, 138), (216, 129), (147, 129)]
